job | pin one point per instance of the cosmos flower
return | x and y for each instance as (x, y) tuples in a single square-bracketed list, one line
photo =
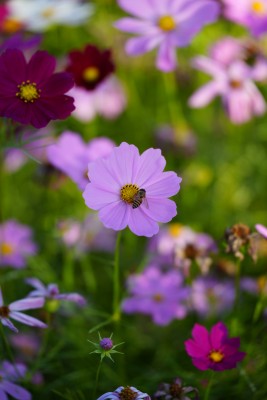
[(164, 24), (71, 155), (250, 13), (214, 350), (90, 66), (13, 311), (16, 244), (30, 93), (125, 392), (240, 240), (107, 100), (175, 391), (10, 373), (51, 292), (114, 190), (39, 15), (161, 295), (211, 296), (240, 96)]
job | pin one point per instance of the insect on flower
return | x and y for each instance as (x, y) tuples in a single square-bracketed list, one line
[(140, 198)]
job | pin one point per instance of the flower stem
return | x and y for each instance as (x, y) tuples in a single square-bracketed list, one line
[(237, 283), (97, 378), (6, 344), (207, 393), (116, 280)]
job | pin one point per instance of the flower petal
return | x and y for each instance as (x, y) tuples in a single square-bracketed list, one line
[(58, 84), (16, 391), (36, 283), (3, 396), (123, 162), (166, 59), (115, 215), (27, 304), (97, 198), (150, 163), (136, 26), (140, 224), (141, 45), (160, 210), (218, 334), (201, 336), (166, 184), (8, 323), (40, 67), (139, 8), (14, 63), (27, 320), (204, 95)]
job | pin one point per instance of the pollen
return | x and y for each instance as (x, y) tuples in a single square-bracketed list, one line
[(216, 356), (91, 74), (6, 249), (235, 84), (28, 92), (258, 7), (4, 312), (175, 229), (158, 298), (167, 23), (127, 394), (48, 12), (128, 192)]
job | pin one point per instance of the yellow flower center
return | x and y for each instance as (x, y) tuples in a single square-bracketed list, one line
[(235, 84), (4, 312), (28, 92), (48, 12), (216, 356), (6, 249), (127, 394), (175, 229), (158, 298), (11, 25), (91, 74), (167, 23), (128, 192), (258, 7)]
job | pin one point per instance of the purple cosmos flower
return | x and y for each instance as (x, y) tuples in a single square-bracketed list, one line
[(215, 350), (115, 190), (125, 392), (13, 311), (240, 96), (164, 24), (71, 155), (161, 295), (107, 100), (250, 13), (10, 373), (262, 230), (16, 244), (31, 93), (211, 296), (51, 291)]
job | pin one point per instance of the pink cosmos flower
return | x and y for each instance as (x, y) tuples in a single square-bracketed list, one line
[(10, 373), (262, 230), (161, 295), (115, 184), (250, 13), (31, 93), (71, 155), (51, 291), (13, 311), (16, 244), (108, 100), (214, 350), (165, 24), (241, 98)]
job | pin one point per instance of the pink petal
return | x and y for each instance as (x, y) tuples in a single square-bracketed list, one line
[(141, 45), (104, 175), (136, 26), (27, 304), (150, 163), (8, 323), (166, 184), (27, 320), (1, 298), (16, 391), (204, 95), (97, 198), (139, 8), (194, 349), (217, 335), (166, 59), (201, 364), (208, 66), (201, 336), (123, 162), (36, 283), (115, 215), (140, 224), (261, 229), (160, 210)]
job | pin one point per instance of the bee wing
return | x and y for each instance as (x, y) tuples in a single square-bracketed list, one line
[(145, 202)]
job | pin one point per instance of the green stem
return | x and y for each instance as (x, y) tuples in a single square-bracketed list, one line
[(6, 345), (97, 378), (237, 283), (116, 280), (173, 105), (207, 393)]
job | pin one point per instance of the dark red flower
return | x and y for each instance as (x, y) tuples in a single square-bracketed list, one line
[(90, 66), (30, 93)]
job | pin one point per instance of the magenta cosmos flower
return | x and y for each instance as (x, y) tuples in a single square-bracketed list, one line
[(165, 24), (31, 93), (115, 190), (10, 373), (13, 311), (123, 393), (16, 244), (214, 350), (161, 295), (250, 13), (241, 97)]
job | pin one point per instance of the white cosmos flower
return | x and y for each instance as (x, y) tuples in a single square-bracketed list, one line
[(39, 15)]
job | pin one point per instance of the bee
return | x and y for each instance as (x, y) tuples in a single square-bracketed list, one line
[(139, 198)]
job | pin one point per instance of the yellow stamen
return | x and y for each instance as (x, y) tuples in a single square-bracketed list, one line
[(167, 23), (235, 84), (127, 394), (128, 192), (91, 74), (48, 12), (158, 297), (28, 92), (258, 7), (216, 356), (175, 229), (6, 249)]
